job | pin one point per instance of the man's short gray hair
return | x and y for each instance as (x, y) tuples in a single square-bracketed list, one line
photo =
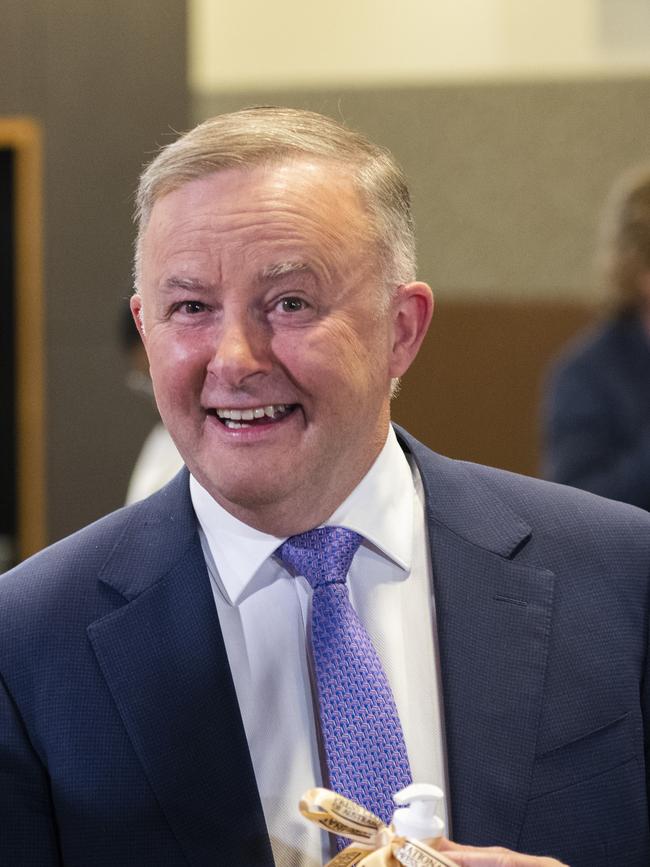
[(267, 135)]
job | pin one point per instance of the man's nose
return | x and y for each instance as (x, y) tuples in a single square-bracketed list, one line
[(242, 349)]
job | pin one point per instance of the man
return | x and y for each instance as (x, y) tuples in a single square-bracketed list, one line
[(158, 706), (596, 409)]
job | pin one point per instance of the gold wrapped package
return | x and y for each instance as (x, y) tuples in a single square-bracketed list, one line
[(373, 843)]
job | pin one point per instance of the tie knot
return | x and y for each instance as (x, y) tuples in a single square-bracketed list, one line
[(322, 555)]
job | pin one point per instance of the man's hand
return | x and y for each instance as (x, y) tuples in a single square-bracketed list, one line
[(492, 856)]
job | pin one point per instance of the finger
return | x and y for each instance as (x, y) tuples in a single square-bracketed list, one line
[(476, 857), (445, 845)]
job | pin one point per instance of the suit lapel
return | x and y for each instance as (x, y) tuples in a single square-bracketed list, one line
[(494, 620), (163, 658)]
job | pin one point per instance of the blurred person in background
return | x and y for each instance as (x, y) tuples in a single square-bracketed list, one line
[(158, 460), (596, 410)]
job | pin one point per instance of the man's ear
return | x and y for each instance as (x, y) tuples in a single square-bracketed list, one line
[(136, 312), (412, 309)]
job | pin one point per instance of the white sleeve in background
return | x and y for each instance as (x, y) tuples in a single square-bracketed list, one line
[(157, 463)]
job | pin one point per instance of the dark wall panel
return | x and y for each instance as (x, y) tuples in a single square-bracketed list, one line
[(475, 390), (107, 81)]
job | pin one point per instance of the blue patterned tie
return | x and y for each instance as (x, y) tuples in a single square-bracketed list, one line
[(362, 736)]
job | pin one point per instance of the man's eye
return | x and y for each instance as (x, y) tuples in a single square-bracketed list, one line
[(191, 307), (292, 305)]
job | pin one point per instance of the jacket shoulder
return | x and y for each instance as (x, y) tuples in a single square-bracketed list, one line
[(464, 493), (69, 568)]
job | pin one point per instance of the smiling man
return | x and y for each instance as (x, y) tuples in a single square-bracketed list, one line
[(271, 334), (317, 598)]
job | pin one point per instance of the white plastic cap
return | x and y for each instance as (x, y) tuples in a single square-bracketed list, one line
[(418, 820)]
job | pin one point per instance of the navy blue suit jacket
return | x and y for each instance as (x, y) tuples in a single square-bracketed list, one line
[(121, 741), (597, 413)]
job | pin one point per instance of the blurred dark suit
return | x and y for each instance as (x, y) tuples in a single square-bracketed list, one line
[(597, 414)]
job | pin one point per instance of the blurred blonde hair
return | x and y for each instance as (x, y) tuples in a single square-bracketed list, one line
[(624, 239)]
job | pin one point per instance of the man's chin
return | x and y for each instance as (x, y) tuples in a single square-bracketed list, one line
[(246, 496)]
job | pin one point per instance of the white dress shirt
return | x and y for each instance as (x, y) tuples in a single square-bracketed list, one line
[(264, 611)]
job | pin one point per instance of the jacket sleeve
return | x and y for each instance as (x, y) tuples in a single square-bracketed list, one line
[(645, 707), (584, 444), (27, 827)]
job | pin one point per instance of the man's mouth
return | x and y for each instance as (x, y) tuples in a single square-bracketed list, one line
[(252, 416)]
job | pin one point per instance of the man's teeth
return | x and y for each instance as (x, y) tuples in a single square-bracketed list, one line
[(233, 417)]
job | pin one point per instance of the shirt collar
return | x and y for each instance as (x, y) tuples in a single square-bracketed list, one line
[(380, 509)]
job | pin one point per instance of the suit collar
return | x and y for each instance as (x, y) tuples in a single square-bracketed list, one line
[(460, 500), (456, 498), (157, 535)]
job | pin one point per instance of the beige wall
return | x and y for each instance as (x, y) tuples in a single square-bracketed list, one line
[(511, 118), (301, 43)]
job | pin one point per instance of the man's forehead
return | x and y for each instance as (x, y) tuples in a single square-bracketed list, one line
[(315, 230)]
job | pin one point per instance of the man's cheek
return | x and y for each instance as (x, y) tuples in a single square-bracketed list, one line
[(172, 387)]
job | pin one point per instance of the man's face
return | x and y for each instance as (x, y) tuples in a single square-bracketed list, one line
[(270, 355)]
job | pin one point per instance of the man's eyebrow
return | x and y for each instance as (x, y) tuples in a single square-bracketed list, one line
[(284, 269), (191, 284)]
